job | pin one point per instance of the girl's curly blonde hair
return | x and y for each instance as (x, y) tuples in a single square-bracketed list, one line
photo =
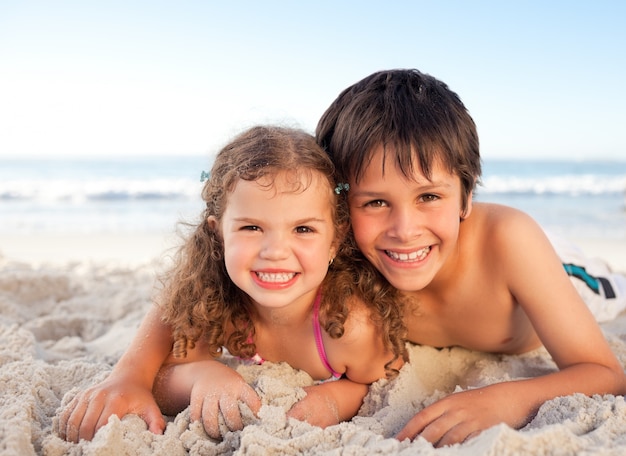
[(200, 301)]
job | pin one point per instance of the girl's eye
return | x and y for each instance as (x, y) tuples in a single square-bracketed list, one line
[(303, 229), (250, 228), (376, 203)]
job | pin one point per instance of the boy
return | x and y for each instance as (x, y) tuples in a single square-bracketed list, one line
[(476, 275)]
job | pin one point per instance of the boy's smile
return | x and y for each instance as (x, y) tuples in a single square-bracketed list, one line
[(409, 257), (407, 228)]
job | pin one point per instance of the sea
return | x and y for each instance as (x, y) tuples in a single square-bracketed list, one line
[(574, 198)]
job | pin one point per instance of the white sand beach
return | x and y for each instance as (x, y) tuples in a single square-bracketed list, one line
[(70, 305)]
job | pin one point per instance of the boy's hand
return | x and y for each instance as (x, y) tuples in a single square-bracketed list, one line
[(461, 416), (91, 409)]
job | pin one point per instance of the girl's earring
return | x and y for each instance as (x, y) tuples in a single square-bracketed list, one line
[(331, 261)]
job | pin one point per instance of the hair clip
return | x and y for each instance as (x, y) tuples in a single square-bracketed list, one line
[(341, 186), (204, 176)]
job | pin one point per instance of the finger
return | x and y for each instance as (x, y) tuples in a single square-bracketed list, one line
[(230, 412), (457, 434), (154, 419), (195, 407), (436, 431), (74, 419), (472, 435), (209, 415), (251, 399), (298, 412), (64, 417), (412, 428), (92, 419), (83, 420)]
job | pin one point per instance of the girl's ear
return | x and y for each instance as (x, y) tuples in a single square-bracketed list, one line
[(212, 222), (331, 255)]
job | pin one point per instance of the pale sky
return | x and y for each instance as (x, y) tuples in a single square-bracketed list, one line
[(92, 78)]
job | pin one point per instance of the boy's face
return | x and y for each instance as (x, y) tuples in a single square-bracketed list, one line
[(406, 228)]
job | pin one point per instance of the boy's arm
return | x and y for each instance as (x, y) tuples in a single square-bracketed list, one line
[(461, 416), (567, 329), (127, 389)]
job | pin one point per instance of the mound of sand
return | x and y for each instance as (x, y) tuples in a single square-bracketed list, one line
[(63, 327)]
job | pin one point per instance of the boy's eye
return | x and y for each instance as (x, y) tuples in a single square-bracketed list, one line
[(428, 197)]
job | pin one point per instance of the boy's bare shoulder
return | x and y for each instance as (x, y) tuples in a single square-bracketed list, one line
[(495, 212), (496, 231), (501, 221), (506, 235)]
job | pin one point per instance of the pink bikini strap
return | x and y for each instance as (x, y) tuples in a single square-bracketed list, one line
[(318, 336)]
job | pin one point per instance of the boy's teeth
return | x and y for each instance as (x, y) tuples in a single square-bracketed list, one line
[(412, 256), (277, 277)]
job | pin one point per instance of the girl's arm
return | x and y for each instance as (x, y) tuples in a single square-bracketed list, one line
[(360, 353), (127, 389)]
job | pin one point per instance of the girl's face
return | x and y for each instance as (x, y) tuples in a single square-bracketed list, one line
[(407, 228), (278, 242)]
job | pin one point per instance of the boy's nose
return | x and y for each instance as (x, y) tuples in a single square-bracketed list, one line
[(405, 224)]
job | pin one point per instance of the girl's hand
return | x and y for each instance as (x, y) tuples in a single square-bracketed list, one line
[(209, 388), (329, 403), (218, 393), (117, 395)]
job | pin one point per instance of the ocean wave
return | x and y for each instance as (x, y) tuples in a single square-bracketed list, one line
[(78, 191), (567, 185), (130, 189)]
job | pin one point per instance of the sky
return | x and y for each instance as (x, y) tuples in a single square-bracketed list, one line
[(542, 79)]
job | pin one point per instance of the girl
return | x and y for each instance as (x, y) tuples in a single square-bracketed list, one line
[(264, 276)]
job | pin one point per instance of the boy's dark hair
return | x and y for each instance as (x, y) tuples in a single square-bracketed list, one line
[(415, 117)]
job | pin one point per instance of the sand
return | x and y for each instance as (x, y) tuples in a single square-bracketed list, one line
[(70, 305)]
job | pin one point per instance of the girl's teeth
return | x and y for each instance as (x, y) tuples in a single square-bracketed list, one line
[(275, 277)]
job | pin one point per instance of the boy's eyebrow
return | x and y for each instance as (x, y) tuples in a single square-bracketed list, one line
[(421, 187)]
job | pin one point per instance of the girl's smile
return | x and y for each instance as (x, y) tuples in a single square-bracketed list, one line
[(274, 280), (279, 236)]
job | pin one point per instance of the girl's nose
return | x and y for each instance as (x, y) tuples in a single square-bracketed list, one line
[(275, 247)]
